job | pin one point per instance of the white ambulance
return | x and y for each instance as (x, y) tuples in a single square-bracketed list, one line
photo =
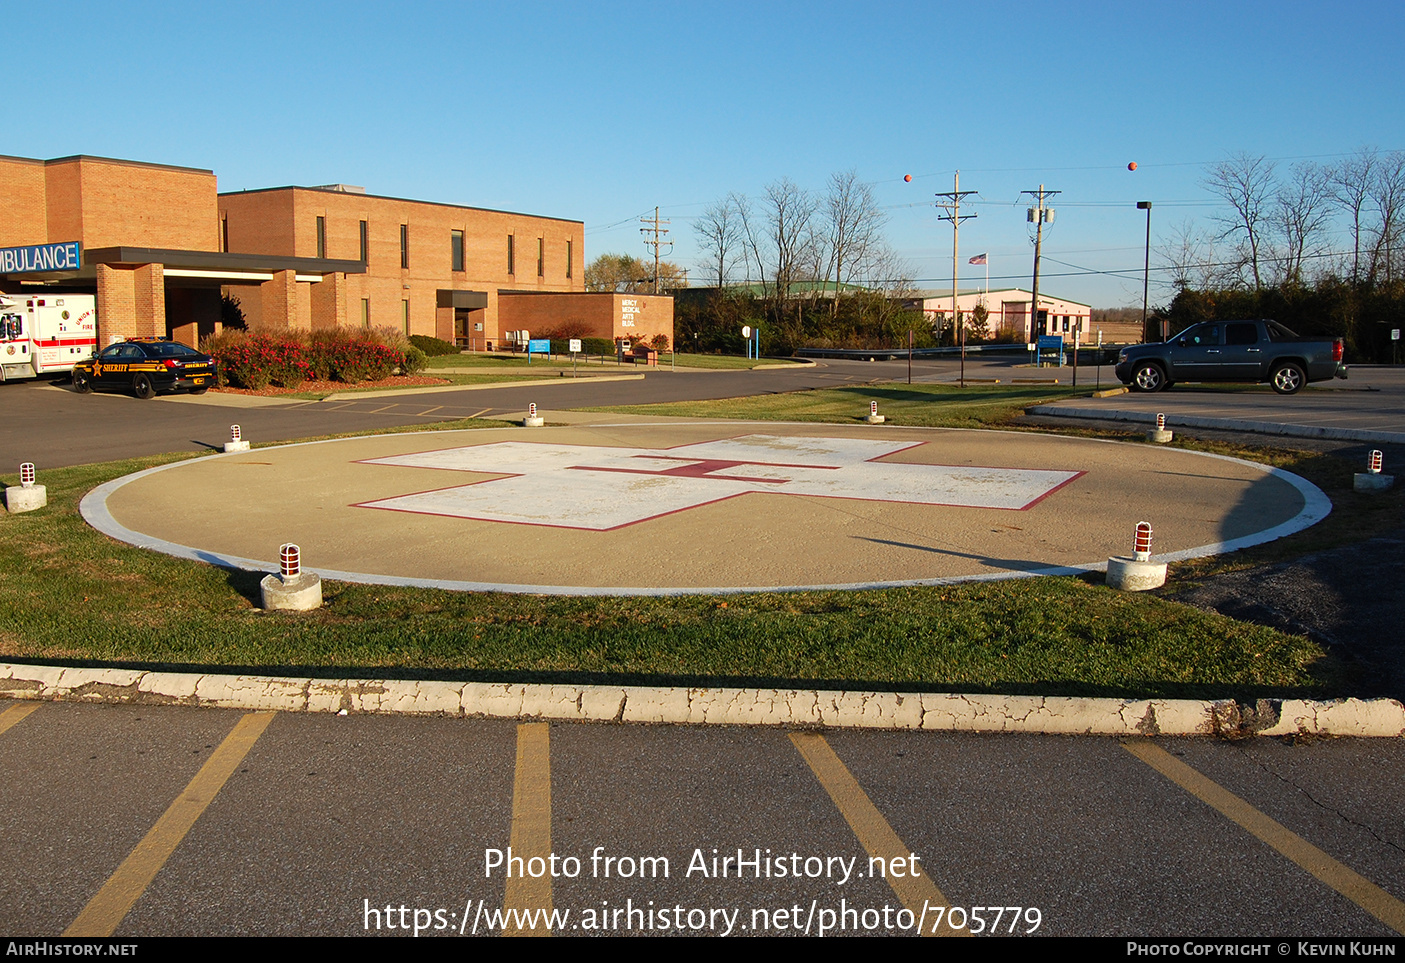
[(45, 335)]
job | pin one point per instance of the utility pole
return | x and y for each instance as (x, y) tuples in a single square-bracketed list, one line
[(952, 205), (1038, 215), (1146, 268), (658, 230)]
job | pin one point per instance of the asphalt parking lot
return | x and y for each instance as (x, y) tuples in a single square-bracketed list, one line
[(321, 820)]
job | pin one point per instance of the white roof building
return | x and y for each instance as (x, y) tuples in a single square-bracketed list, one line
[(1008, 311)]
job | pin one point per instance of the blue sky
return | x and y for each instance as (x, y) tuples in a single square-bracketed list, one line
[(602, 111)]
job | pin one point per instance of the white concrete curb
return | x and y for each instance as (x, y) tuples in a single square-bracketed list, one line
[(1062, 715)]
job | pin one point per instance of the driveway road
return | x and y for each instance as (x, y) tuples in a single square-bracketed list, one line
[(52, 426)]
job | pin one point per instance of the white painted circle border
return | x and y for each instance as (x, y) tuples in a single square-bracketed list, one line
[(93, 508)]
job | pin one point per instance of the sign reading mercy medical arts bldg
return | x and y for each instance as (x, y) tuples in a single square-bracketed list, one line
[(37, 258)]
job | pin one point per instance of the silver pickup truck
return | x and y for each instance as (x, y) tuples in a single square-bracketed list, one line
[(1241, 351)]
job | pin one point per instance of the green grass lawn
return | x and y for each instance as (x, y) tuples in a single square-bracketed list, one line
[(925, 405), (453, 379), (722, 361), (69, 593), (502, 360)]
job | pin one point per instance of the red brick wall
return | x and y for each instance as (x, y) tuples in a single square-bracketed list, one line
[(284, 221), (117, 314), (23, 218), (602, 315)]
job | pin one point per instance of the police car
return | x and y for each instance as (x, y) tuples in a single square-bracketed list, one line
[(146, 366)]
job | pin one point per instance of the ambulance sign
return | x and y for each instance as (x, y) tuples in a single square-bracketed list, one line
[(38, 258)]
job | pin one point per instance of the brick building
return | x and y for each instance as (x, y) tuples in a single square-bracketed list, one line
[(160, 245)]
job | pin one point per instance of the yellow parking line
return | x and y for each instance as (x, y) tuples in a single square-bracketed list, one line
[(105, 911), (531, 826), (1348, 882), (875, 835), (15, 714)]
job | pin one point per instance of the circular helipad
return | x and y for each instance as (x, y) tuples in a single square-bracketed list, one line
[(662, 507)]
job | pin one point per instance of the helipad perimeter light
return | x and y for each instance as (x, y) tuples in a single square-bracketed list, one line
[(1373, 462), (27, 473), (1160, 421), (234, 433), (289, 562), (1141, 547)]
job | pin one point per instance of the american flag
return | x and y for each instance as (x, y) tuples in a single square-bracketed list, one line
[(978, 259)]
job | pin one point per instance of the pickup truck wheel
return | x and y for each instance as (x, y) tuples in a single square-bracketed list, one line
[(1148, 377), (143, 388), (1287, 378), (82, 382)]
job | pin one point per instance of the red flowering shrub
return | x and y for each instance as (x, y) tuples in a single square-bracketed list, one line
[(287, 359), (258, 360)]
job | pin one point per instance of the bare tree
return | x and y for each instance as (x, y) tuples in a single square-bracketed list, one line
[(790, 213), (778, 235), (1301, 210), (853, 230), (1388, 203), (1189, 252), (719, 233), (1350, 185), (1246, 184)]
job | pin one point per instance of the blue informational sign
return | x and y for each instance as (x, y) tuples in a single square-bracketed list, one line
[(1050, 344), (542, 345), (38, 258)]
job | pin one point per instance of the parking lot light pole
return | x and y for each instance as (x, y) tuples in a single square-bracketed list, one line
[(1146, 267)]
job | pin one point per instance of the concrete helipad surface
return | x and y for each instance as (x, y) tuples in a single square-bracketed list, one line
[(654, 506)]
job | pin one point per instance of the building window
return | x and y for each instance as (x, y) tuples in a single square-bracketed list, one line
[(511, 268), (456, 250), (405, 314), (568, 260), (224, 234), (365, 309), (365, 243), (541, 257), (321, 236), (404, 245)]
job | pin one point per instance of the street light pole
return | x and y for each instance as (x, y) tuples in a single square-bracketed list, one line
[(1146, 268)]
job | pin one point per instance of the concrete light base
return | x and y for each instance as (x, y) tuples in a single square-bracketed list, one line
[(236, 446), (301, 594), (876, 419), (21, 498), (1159, 435), (1130, 575), (1362, 481), (533, 421)]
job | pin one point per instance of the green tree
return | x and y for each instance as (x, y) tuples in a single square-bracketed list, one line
[(627, 274), (978, 323)]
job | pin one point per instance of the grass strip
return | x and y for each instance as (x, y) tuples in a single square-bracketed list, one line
[(453, 379), (921, 405), (711, 361)]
